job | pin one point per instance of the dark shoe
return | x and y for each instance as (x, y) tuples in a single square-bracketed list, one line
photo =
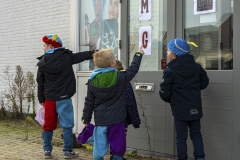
[(70, 154), (47, 154)]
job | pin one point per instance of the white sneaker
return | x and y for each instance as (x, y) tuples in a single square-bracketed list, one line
[(47, 154)]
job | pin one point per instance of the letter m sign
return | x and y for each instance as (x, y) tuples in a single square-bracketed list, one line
[(145, 9)]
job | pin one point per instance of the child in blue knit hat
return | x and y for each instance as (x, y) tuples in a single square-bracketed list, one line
[(182, 83)]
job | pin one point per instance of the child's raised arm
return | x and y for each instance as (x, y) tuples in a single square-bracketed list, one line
[(82, 56), (134, 67)]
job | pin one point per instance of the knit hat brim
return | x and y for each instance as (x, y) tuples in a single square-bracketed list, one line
[(54, 43)]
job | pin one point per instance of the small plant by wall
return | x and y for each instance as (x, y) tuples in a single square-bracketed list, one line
[(31, 92), (19, 86)]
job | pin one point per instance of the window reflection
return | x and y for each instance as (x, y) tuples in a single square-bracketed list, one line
[(212, 31)]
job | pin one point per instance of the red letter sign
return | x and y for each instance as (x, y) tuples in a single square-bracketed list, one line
[(145, 44)]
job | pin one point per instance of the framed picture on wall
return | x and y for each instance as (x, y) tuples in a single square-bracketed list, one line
[(204, 6)]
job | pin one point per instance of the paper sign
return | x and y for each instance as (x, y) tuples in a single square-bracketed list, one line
[(145, 37), (145, 10), (163, 64), (204, 6)]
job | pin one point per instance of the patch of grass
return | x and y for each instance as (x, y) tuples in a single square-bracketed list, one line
[(57, 143), (132, 153)]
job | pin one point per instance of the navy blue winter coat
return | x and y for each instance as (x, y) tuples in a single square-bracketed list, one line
[(109, 103), (132, 110), (55, 76), (182, 83)]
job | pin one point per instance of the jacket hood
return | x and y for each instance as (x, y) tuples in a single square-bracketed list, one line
[(53, 63), (185, 66), (104, 93)]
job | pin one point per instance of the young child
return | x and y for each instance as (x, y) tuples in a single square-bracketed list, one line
[(56, 85), (106, 96), (182, 83), (131, 106)]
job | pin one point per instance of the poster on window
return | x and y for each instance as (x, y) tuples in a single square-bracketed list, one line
[(99, 26), (145, 37), (145, 10), (109, 37), (95, 12), (204, 6)]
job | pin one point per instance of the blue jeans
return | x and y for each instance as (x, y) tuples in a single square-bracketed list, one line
[(67, 138), (64, 109), (195, 135)]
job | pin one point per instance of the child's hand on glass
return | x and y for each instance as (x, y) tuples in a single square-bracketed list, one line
[(140, 50)]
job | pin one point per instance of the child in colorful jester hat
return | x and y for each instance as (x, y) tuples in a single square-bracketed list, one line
[(106, 96), (56, 85), (182, 83)]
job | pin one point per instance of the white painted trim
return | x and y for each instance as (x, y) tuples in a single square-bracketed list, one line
[(74, 41), (119, 29)]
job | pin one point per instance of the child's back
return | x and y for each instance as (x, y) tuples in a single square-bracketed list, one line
[(182, 83), (106, 96), (187, 79), (108, 89), (55, 74), (56, 86)]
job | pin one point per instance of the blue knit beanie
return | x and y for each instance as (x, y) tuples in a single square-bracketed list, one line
[(180, 47)]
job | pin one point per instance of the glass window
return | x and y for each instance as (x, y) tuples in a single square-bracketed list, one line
[(158, 58), (98, 28), (209, 23)]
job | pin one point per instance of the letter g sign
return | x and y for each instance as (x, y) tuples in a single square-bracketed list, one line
[(145, 39), (145, 35)]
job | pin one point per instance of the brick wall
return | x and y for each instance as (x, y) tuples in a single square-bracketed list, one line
[(23, 24)]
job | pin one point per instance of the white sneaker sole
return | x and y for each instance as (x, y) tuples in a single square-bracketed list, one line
[(66, 157)]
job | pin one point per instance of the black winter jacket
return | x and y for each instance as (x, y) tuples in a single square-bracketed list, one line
[(182, 83), (55, 76), (108, 103), (132, 110)]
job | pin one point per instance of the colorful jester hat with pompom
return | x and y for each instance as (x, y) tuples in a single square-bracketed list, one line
[(180, 47), (53, 39)]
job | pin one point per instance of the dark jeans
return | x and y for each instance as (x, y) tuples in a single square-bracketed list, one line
[(67, 138), (195, 135)]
